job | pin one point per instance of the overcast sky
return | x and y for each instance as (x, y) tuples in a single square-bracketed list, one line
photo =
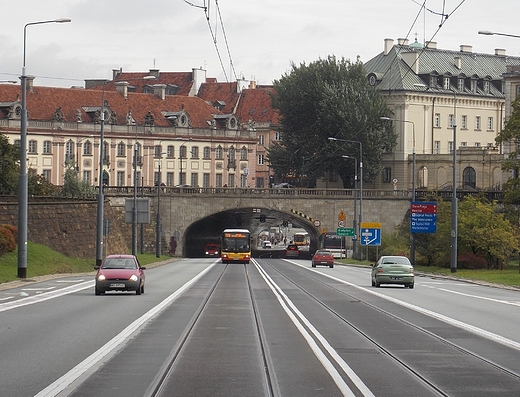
[(263, 36)]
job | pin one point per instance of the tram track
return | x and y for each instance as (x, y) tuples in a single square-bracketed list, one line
[(437, 389)]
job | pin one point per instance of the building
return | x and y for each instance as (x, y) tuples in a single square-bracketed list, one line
[(430, 90), (189, 140)]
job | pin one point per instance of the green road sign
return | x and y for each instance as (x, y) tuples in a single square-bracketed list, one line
[(345, 231)]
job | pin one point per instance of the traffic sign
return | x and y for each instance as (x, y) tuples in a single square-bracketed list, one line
[(345, 231), (423, 217), (370, 236)]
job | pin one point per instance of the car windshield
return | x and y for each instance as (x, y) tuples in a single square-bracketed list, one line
[(322, 253), (119, 263)]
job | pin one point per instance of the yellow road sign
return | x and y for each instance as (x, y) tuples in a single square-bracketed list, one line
[(370, 225)]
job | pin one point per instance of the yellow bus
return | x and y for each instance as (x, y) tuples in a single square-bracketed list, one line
[(235, 246)]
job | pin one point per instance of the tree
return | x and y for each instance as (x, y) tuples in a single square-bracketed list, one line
[(329, 98), (9, 169), (72, 185), (511, 134)]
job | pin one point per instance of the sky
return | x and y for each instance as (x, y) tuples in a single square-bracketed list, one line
[(256, 39)]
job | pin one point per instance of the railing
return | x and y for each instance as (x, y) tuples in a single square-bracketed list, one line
[(304, 192)]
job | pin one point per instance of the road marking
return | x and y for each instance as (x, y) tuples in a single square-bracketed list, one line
[(116, 342), (513, 303), (299, 321), (38, 289)]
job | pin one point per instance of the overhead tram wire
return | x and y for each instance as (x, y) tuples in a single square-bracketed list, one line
[(225, 40)]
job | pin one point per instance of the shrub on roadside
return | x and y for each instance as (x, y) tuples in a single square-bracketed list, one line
[(12, 229), (7, 240), (468, 260)]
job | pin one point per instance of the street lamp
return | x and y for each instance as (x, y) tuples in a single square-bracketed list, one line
[(454, 226), (489, 33), (100, 196), (412, 235), (181, 180), (360, 177), (23, 188), (158, 212), (355, 200)]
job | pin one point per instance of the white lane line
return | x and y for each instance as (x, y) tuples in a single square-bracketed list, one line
[(512, 303), (69, 281), (116, 342), (293, 313), (448, 320), (46, 296), (38, 289), (6, 298)]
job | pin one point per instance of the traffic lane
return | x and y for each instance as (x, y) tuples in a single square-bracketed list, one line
[(430, 356), (489, 308), (66, 329)]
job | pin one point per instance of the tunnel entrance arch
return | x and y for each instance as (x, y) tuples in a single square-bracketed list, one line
[(207, 230)]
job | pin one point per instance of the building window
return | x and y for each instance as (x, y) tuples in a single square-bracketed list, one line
[(218, 180), (205, 180), (170, 151), (477, 123), (446, 84), (261, 159), (87, 148), (463, 144), (474, 85), (47, 175), (490, 124), (120, 178), (194, 152), (219, 153), (433, 81), (231, 180), (277, 136), (32, 147), (464, 122), (87, 177), (243, 153), (469, 177), (451, 120), (486, 86), (47, 147), (477, 144), (69, 151), (121, 149), (157, 152), (437, 120), (105, 152), (261, 140), (169, 179), (182, 152), (436, 147), (460, 84), (194, 179), (387, 175), (206, 153), (450, 147)]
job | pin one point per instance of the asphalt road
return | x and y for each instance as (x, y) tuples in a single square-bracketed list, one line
[(270, 328)]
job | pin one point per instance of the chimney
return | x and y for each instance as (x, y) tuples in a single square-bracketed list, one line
[(458, 62), (30, 83), (402, 41), (198, 78), (252, 84), (122, 88), (412, 60), (500, 52), (432, 45), (466, 48), (159, 90), (116, 73), (154, 72), (389, 43)]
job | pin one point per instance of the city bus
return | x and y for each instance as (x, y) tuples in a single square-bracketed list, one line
[(235, 246), (301, 239)]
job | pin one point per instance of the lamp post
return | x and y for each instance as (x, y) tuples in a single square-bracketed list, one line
[(134, 204), (489, 33), (355, 200), (158, 212), (454, 226), (360, 178), (412, 235), (100, 196), (23, 188)]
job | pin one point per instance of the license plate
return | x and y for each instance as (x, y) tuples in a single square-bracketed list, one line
[(117, 285), (396, 278)]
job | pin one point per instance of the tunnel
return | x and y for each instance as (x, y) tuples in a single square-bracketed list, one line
[(257, 221)]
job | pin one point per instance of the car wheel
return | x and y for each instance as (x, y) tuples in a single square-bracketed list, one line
[(373, 283), (138, 291), (331, 266), (376, 284), (142, 289), (97, 292), (313, 265), (410, 286)]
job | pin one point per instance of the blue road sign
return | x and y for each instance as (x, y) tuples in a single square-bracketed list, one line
[(370, 236), (423, 217)]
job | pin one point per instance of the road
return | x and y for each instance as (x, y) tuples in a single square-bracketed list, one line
[(273, 327)]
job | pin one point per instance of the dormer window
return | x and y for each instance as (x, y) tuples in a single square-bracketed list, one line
[(446, 83), (460, 84)]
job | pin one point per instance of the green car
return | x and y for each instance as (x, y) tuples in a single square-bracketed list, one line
[(393, 270)]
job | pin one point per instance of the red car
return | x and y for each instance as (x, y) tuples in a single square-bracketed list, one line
[(323, 257), (120, 273), (212, 250)]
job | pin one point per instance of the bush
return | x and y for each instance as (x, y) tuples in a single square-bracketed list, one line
[(12, 229), (469, 260), (7, 241)]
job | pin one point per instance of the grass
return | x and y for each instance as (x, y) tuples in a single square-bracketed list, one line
[(509, 276), (42, 260)]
